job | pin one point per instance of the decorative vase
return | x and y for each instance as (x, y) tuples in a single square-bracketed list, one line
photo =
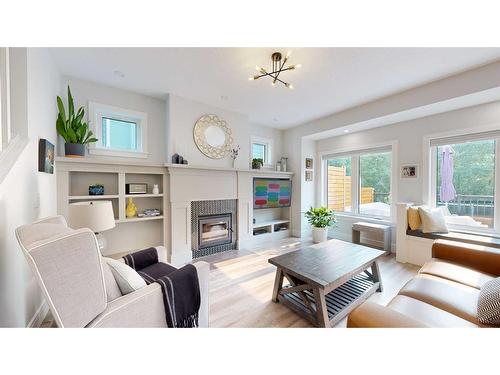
[(319, 234), (232, 163), (131, 210), (156, 190), (284, 164), (74, 150)]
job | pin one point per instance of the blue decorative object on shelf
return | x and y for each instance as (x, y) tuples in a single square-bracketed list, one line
[(96, 190)]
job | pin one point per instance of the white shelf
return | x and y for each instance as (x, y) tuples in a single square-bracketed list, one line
[(210, 168), (136, 219), (91, 197), (269, 223), (143, 195)]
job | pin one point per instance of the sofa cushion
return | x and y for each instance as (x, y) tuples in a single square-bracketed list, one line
[(112, 290), (488, 306), (427, 314), (455, 298), (127, 278), (455, 272)]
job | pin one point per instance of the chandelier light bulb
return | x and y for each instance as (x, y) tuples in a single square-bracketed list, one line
[(297, 66)]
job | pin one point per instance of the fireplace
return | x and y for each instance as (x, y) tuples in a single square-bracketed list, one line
[(214, 226), (214, 230)]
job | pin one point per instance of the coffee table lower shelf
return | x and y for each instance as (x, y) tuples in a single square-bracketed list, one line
[(339, 302)]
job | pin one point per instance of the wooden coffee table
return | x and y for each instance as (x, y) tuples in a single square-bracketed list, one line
[(327, 280)]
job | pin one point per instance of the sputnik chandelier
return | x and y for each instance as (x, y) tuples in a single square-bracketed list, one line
[(277, 68)]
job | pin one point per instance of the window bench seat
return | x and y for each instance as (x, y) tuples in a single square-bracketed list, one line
[(475, 239), (415, 247)]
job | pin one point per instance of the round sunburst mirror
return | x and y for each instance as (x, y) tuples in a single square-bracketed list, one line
[(213, 136)]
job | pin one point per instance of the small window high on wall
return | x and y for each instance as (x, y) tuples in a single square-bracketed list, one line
[(360, 183), (261, 148), (120, 132), (464, 179)]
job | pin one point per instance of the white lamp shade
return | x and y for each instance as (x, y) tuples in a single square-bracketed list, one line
[(98, 216)]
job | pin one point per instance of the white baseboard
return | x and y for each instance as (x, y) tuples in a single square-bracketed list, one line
[(39, 316)]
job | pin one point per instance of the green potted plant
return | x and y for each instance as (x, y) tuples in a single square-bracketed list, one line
[(257, 163), (73, 128), (321, 218)]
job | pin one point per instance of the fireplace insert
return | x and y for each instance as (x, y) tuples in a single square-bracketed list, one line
[(214, 230)]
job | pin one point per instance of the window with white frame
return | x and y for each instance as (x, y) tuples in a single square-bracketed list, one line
[(360, 182), (5, 128), (464, 180), (120, 132), (261, 148)]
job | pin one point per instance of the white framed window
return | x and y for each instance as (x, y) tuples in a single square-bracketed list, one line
[(5, 126), (120, 132), (360, 183), (464, 180), (261, 148)]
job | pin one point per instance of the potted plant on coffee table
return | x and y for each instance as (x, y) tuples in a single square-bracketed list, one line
[(73, 128), (321, 218)]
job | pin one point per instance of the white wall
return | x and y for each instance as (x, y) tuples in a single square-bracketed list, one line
[(85, 91), (26, 194), (183, 114)]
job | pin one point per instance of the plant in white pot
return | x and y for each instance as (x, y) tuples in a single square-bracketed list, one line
[(321, 218), (73, 128)]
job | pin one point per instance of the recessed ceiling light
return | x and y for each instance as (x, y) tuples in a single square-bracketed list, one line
[(119, 74), (346, 130)]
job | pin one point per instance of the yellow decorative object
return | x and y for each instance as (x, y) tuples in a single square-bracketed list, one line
[(414, 221), (131, 210)]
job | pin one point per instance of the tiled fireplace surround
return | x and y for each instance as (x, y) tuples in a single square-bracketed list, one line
[(211, 208), (224, 189)]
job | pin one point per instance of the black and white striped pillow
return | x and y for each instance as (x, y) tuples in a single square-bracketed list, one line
[(488, 305)]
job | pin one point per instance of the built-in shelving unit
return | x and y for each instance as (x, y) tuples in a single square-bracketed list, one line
[(91, 197), (271, 223), (75, 176)]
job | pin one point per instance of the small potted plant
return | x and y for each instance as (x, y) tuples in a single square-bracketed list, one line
[(257, 163), (321, 218), (73, 128)]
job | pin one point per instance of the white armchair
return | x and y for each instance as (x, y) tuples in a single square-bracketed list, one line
[(80, 288)]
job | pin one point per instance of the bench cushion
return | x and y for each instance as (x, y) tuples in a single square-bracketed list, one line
[(455, 272)]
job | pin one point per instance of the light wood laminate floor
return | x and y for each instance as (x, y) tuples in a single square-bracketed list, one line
[(241, 283)]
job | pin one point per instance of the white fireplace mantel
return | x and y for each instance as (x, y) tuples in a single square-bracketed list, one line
[(193, 183)]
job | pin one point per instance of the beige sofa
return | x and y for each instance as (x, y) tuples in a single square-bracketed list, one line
[(79, 286), (443, 294)]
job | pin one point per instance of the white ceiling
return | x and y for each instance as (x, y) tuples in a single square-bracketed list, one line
[(330, 80)]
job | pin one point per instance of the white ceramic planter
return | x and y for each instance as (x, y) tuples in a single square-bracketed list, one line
[(319, 234)]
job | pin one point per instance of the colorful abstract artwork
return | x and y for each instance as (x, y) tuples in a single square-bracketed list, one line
[(271, 192)]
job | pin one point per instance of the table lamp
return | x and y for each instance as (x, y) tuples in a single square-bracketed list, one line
[(98, 216)]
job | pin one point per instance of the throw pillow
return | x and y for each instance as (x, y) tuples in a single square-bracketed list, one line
[(432, 220), (414, 221), (127, 278), (488, 304)]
